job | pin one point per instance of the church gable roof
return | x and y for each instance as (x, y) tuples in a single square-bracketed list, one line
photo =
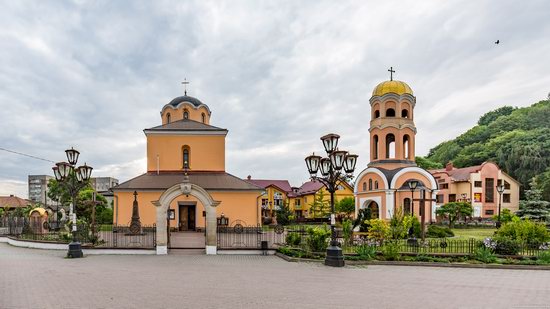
[(207, 180), (185, 125)]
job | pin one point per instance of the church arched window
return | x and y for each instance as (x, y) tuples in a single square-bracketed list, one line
[(404, 113), (407, 206), (186, 150), (185, 114), (364, 186), (370, 184), (376, 185), (390, 112), (168, 118), (375, 147), (203, 118), (390, 146), (376, 114), (406, 146)]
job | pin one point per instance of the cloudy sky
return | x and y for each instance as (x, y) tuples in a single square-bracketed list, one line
[(277, 74)]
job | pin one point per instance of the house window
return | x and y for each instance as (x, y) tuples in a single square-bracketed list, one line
[(506, 185), (407, 206), (375, 142), (297, 202), (439, 198), (185, 114), (370, 184), (203, 118), (376, 185), (489, 190), (376, 114), (489, 212), (390, 146), (506, 198), (364, 186), (404, 113), (390, 112), (168, 118), (277, 199), (444, 186), (478, 184), (452, 198)]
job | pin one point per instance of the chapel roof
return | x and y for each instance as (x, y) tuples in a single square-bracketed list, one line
[(392, 86), (185, 125), (207, 180), (185, 98)]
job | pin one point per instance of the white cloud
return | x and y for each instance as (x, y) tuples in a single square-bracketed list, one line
[(277, 74)]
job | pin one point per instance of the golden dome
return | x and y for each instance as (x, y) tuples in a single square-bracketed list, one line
[(392, 86)]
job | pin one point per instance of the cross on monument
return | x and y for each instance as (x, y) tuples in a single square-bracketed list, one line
[(391, 73), (185, 83)]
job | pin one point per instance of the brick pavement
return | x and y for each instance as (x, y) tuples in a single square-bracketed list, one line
[(32, 278)]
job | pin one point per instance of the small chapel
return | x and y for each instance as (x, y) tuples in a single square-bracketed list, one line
[(385, 186), (186, 190)]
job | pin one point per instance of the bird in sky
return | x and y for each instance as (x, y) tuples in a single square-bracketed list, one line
[(497, 42)]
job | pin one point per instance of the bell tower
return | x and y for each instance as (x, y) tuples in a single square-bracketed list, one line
[(392, 129)]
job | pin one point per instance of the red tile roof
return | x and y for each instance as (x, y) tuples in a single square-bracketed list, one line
[(458, 174), (13, 202), (283, 185), (309, 187)]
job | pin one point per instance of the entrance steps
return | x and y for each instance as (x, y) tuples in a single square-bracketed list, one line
[(187, 251)]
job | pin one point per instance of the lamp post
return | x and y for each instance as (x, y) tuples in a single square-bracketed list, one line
[(412, 186), (500, 190), (331, 176), (73, 179)]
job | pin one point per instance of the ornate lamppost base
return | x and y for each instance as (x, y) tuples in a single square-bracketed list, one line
[(334, 258), (75, 250)]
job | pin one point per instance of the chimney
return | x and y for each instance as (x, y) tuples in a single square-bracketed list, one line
[(449, 166), (248, 177)]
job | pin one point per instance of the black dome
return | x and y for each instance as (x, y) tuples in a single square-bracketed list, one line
[(186, 98)]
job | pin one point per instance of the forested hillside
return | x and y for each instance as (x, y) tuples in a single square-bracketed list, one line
[(517, 139)]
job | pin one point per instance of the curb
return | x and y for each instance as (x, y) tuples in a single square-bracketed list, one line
[(422, 264)]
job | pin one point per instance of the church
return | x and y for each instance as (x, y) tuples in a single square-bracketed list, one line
[(186, 188), (385, 185)]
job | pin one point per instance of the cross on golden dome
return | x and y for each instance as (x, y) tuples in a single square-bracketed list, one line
[(391, 73)]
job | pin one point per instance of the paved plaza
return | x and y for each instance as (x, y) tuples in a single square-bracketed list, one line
[(31, 278)]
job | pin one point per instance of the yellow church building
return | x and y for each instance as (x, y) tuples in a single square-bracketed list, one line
[(383, 186), (186, 187)]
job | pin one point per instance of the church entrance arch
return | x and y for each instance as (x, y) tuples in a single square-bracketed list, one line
[(163, 205), (372, 209)]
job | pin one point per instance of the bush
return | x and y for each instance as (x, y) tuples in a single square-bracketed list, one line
[(544, 257), (485, 255), (439, 231), (412, 221), (317, 239), (379, 230), (293, 239), (506, 246), (366, 252), (390, 251), (525, 231), (347, 230)]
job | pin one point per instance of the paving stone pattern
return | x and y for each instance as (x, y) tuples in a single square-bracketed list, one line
[(31, 278)]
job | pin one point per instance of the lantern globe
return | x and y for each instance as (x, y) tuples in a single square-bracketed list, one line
[(337, 159), (312, 163), (330, 142), (85, 171), (72, 155), (413, 184), (325, 166), (349, 163), (56, 173)]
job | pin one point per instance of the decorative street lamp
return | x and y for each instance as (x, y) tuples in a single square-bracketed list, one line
[(336, 168), (500, 190), (412, 186), (73, 179)]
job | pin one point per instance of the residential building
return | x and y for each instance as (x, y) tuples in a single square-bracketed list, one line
[(103, 185), (303, 198), (274, 196), (477, 184), (38, 188), (12, 202)]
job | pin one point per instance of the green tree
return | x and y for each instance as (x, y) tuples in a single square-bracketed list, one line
[(533, 207), (493, 115), (346, 206), (320, 207), (284, 214), (87, 209), (56, 192), (453, 211), (427, 164)]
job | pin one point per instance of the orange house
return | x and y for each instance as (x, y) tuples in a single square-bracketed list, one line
[(186, 189)]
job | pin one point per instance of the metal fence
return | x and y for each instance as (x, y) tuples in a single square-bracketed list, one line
[(239, 236), (99, 236)]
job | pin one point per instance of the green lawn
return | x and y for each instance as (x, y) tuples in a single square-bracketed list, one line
[(473, 233)]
